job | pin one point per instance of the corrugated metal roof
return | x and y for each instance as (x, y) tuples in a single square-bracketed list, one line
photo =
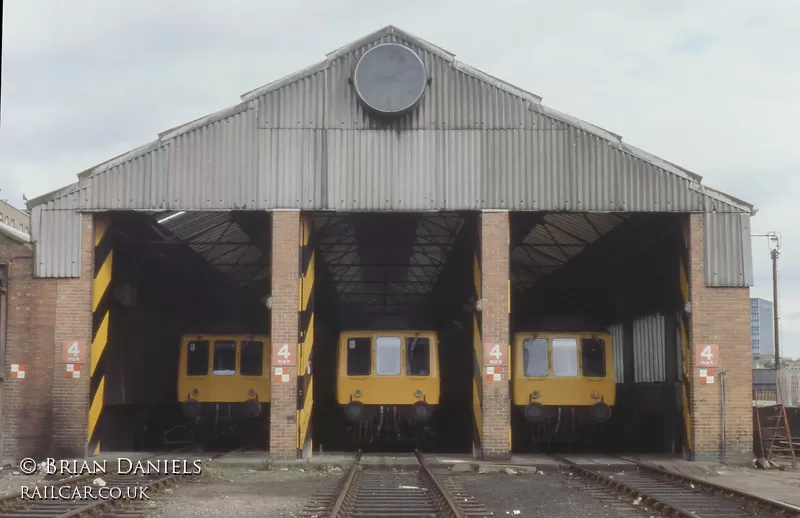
[(289, 145), (220, 240), (375, 263), (304, 142), (555, 241)]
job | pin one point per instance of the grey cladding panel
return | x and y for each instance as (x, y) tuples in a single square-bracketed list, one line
[(728, 254), (474, 142), (649, 349), (58, 244)]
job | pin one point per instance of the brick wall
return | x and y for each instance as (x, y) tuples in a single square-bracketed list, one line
[(73, 321), (26, 424), (495, 330), (719, 316), (285, 329)]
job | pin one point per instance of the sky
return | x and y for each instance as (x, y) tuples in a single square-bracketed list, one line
[(709, 85)]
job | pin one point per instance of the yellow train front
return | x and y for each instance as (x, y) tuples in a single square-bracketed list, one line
[(563, 382), (224, 383), (387, 385)]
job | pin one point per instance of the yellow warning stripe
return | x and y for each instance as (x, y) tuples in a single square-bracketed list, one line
[(305, 380), (508, 346), (477, 395), (95, 409), (99, 344), (477, 382), (684, 337), (101, 281), (104, 256)]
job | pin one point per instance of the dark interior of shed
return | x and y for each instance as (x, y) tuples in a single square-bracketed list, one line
[(395, 271), (609, 272), (175, 274)]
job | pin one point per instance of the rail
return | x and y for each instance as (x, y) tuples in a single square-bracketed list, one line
[(446, 503), (681, 495), (389, 493)]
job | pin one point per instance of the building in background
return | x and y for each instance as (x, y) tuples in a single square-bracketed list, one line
[(15, 218), (761, 329)]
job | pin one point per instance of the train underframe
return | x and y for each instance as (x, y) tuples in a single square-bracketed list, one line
[(564, 427), (207, 423), (387, 425)]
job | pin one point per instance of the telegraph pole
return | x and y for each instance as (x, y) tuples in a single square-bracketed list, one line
[(774, 254), (774, 244)]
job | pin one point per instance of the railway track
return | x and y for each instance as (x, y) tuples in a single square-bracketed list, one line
[(78, 496), (679, 495), (404, 492)]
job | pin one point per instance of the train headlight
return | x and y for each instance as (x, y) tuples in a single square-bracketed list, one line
[(421, 411), (251, 392), (251, 409), (418, 393), (357, 393), (195, 392), (599, 412), (595, 394), (354, 411), (535, 412), (191, 408), (535, 394)]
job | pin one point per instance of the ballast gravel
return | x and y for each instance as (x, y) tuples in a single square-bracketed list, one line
[(514, 492), (234, 492)]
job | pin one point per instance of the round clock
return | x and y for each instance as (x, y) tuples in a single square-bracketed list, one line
[(390, 79)]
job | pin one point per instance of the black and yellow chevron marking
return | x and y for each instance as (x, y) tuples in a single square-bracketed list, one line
[(477, 380), (305, 386), (683, 327), (101, 295), (508, 340)]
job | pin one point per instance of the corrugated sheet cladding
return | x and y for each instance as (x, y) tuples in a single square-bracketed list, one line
[(309, 144), (617, 333), (649, 349), (473, 143)]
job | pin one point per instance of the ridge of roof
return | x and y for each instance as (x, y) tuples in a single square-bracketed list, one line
[(534, 103)]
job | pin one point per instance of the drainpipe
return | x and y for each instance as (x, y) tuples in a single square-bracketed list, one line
[(722, 412)]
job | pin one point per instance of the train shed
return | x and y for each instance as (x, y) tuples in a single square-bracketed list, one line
[(310, 207)]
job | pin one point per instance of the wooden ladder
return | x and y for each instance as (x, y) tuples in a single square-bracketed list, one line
[(773, 421)]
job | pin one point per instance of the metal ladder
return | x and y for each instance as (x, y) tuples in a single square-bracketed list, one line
[(773, 421)]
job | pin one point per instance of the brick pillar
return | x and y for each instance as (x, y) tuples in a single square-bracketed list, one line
[(496, 400), (285, 330), (719, 316), (26, 429), (73, 322)]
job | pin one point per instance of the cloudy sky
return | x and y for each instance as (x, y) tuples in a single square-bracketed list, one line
[(710, 85)]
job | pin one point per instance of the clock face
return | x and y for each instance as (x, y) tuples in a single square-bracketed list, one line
[(390, 79)]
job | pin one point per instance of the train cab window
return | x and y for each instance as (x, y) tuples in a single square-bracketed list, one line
[(359, 356), (224, 358), (565, 357), (593, 357), (251, 362), (197, 358), (534, 352), (418, 356), (387, 356)]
